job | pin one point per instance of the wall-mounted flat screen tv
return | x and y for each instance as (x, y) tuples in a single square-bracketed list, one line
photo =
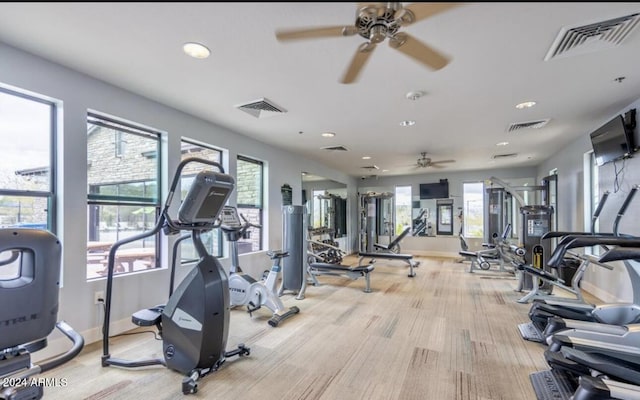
[(612, 141), (438, 190)]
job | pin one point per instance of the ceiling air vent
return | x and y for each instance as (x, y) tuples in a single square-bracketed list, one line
[(501, 156), (261, 108), (528, 125), (334, 148), (592, 37)]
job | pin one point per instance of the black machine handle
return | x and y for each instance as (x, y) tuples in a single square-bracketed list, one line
[(596, 214), (78, 344), (586, 241), (623, 209), (621, 253)]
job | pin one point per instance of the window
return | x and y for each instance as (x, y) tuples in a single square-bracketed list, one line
[(213, 238), (402, 208), (319, 214), (123, 194), (27, 166), (249, 184), (473, 210)]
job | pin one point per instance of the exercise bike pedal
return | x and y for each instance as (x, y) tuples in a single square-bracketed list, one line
[(252, 307)]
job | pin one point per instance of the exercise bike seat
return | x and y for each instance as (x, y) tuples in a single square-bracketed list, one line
[(275, 254), (148, 316)]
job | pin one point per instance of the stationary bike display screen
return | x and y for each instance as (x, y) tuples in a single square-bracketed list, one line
[(229, 217)]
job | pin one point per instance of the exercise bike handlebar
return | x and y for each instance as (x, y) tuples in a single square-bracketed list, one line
[(247, 224)]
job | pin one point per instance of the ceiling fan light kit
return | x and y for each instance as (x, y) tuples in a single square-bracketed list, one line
[(376, 22)]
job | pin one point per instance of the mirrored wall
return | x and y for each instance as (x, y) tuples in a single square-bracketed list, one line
[(326, 202)]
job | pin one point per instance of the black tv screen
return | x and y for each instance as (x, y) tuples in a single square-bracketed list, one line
[(434, 190), (612, 141)]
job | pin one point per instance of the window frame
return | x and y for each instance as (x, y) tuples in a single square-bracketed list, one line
[(397, 229), (51, 194), (260, 208), (95, 199), (465, 209)]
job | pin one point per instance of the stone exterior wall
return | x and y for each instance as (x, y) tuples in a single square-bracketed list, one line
[(248, 178), (137, 162)]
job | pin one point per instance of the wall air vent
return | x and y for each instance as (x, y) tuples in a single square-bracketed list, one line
[(501, 156), (261, 108), (592, 37), (334, 148), (371, 167), (528, 125)]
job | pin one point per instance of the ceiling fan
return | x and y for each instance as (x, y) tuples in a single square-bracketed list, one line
[(425, 162), (377, 22)]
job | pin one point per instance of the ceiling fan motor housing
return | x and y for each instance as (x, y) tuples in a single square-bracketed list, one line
[(376, 22)]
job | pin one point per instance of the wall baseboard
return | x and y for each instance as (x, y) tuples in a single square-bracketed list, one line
[(601, 294), (59, 344)]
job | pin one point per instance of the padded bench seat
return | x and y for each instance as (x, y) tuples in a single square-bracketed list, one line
[(343, 270), (408, 258)]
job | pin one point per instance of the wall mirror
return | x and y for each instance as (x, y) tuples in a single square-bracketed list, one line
[(326, 202)]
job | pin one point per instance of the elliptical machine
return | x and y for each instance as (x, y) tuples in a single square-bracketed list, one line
[(194, 324), (244, 290)]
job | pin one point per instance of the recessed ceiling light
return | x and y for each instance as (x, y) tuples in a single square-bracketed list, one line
[(502, 144), (366, 158), (526, 104), (385, 170), (407, 123), (328, 134), (196, 50)]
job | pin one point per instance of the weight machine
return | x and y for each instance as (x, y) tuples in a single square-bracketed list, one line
[(376, 219)]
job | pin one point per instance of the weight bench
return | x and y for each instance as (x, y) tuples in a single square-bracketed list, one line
[(394, 246), (408, 258), (354, 273)]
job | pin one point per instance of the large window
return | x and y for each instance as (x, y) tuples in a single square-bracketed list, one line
[(213, 238), (123, 194), (27, 166), (402, 208), (473, 209), (249, 187)]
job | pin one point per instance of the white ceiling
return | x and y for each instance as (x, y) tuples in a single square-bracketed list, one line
[(497, 53)]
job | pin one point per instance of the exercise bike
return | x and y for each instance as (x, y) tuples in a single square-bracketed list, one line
[(243, 289), (194, 323)]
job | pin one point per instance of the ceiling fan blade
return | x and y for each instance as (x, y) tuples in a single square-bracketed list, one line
[(432, 165), (443, 162), (418, 11), (417, 50), (314, 33), (357, 62)]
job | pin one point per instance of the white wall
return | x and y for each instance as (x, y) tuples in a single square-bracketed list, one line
[(76, 93)]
